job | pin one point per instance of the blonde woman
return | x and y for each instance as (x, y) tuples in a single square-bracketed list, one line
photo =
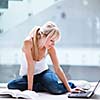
[(35, 73)]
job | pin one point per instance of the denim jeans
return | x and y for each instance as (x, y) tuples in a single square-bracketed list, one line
[(46, 81)]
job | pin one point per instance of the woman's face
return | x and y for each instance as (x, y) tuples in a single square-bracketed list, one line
[(50, 42)]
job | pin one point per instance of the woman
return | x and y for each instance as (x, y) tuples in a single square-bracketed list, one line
[(35, 73)]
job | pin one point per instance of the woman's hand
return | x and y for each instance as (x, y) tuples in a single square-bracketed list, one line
[(78, 89)]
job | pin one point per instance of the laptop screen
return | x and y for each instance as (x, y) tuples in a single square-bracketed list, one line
[(96, 86)]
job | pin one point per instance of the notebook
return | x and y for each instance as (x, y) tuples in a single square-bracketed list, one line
[(83, 94)]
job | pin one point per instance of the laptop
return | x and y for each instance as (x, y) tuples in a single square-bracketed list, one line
[(83, 94)]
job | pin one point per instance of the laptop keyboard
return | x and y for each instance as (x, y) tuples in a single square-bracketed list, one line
[(81, 94)]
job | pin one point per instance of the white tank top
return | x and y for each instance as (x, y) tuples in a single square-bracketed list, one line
[(40, 66)]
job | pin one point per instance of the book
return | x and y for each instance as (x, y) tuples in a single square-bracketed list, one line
[(27, 94), (82, 84)]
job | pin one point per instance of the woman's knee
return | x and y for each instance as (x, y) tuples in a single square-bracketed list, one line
[(11, 85), (60, 88), (72, 85), (20, 84)]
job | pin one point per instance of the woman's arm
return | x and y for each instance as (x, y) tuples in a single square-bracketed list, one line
[(30, 63), (58, 69)]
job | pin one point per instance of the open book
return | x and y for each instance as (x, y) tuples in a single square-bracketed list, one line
[(27, 94)]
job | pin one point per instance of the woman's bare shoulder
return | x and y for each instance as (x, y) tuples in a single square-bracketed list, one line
[(27, 45), (52, 50)]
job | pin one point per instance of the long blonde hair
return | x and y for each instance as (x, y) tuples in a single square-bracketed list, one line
[(48, 29)]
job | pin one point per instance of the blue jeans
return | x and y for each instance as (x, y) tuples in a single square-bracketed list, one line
[(46, 81)]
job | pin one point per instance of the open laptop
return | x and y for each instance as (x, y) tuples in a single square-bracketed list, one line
[(83, 94)]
